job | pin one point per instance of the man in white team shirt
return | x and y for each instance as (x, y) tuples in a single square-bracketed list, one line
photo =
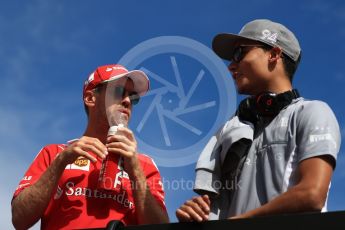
[(291, 143)]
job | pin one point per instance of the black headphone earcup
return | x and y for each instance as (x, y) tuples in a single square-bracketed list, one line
[(247, 111), (267, 105)]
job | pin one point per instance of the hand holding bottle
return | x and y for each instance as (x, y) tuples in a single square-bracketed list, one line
[(118, 120), (112, 166)]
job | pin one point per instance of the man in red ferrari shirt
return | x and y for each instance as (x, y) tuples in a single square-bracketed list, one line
[(61, 185)]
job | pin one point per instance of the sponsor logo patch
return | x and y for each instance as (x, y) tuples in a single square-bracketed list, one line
[(81, 161), (90, 79)]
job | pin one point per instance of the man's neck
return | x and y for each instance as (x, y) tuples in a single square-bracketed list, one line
[(280, 85), (99, 133)]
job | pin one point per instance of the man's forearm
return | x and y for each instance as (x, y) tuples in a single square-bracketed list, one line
[(29, 206), (297, 199), (309, 194), (147, 208)]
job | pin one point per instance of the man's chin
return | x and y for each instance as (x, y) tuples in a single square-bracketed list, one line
[(241, 91), (244, 91)]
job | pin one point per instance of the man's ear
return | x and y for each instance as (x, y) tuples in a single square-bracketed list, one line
[(89, 98), (275, 54)]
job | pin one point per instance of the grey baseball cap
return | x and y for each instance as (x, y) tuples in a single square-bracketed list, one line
[(262, 30)]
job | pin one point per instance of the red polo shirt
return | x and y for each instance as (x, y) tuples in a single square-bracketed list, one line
[(78, 203)]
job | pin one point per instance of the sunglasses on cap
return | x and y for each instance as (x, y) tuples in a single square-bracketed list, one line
[(120, 92), (240, 52)]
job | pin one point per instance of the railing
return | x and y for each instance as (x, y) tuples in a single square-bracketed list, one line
[(313, 221)]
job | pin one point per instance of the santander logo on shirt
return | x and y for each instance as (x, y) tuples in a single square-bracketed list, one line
[(72, 190)]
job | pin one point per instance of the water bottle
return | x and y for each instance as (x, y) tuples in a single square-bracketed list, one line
[(110, 177)]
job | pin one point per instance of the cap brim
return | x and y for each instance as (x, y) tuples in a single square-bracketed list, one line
[(140, 80), (224, 44)]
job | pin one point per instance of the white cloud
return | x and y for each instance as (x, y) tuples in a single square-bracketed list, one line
[(24, 123), (25, 118), (20, 141), (18, 147), (12, 167)]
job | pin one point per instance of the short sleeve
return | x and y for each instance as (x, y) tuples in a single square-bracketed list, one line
[(317, 131), (36, 169)]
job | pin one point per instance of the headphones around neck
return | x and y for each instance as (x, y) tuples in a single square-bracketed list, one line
[(266, 104)]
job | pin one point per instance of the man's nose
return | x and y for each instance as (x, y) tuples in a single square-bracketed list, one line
[(232, 67), (126, 102)]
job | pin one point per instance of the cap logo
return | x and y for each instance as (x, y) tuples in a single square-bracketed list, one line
[(268, 35), (116, 68), (90, 79)]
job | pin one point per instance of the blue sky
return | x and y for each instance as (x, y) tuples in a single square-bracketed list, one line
[(48, 48)]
